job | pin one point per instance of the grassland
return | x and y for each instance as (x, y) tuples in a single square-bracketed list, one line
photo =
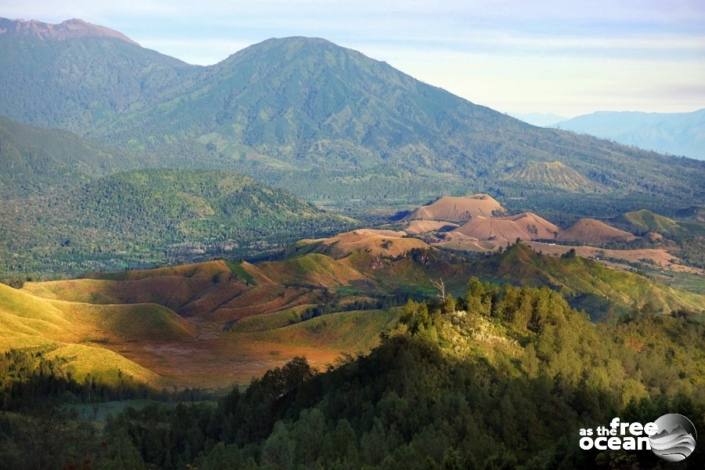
[(222, 322)]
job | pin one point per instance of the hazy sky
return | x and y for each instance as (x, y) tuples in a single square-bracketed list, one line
[(561, 56)]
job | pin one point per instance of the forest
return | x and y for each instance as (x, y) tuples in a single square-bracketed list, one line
[(501, 377)]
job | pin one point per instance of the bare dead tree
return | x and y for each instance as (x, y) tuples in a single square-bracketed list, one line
[(441, 287)]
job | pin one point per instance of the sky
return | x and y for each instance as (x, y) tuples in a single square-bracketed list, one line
[(564, 57)]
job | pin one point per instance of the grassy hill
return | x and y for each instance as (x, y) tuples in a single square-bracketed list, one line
[(648, 221), (152, 216), (587, 284), (213, 323), (85, 333)]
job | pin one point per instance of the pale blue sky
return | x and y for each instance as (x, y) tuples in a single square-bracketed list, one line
[(566, 57)]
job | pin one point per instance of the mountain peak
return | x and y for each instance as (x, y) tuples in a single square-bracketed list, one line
[(69, 29)]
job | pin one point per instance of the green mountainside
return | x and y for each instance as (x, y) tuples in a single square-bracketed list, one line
[(34, 160), (323, 121), (152, 216)]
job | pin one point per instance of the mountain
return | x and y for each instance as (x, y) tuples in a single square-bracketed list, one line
[(69, 29), (35, 160), (299, 103), (74, 74), (668, 133), (150, 216), (325, 122)]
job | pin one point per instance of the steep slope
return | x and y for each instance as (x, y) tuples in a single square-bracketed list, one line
[(326, 122), (596, 232), (34, 160), (458, 209), (505, 230), (670, 133), (147, 216)]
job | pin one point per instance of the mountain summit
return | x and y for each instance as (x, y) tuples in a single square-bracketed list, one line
[(69, 29)]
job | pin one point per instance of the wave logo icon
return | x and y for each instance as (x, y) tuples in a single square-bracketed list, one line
[(675, 438)]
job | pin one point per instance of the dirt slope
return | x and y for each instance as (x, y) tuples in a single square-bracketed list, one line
[(458, 209), (503, 230)]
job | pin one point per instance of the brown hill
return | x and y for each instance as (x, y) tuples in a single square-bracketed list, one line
[(459, 241), (416, 227), (458, 209), (387, 243), (504, 230), (592, 231)]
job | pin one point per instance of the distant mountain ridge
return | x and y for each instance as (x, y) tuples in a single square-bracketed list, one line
[(325, 122), (670, 133)]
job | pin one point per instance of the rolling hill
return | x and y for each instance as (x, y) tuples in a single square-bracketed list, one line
[(387, 243), (83, 333), (151, 216), (506, 230), (587, 284), (326, 122), (216, 322), (647, 221), (669, 133), (596, 232)]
